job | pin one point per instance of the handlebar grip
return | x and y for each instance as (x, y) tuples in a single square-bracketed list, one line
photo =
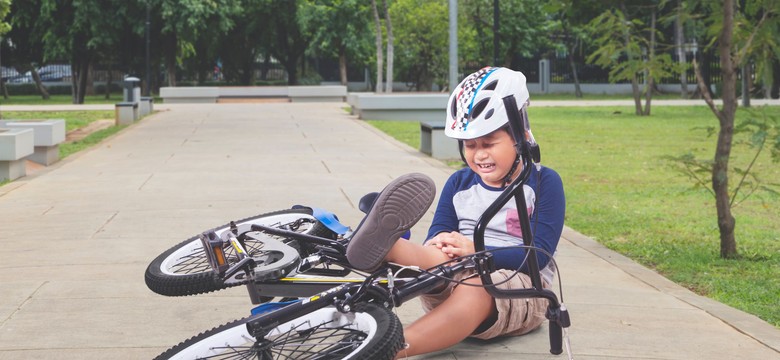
[(556, 338)]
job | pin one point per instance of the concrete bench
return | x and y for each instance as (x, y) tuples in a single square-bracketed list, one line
[(434, 143), (243, 92), (301, 93), (400, 106), (174, 95), (47, 136), (15, 146), (331, 93)]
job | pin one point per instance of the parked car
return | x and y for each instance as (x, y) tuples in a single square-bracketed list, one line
[(55, 72), (8, 73), (47, 73)]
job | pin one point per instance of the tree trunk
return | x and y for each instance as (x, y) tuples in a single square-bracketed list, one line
[(634, 80), (577, 89), (679, 38), (774, 91), (650, 58), (570, 48), (110, 80), (746, 76), (379, 57), (170, 59), (390, 51), (90, 86), (343, 64), (4, 89), (38, 84), (720, 180), (81, 80)]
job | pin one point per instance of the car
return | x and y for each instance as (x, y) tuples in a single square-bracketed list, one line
[(47, 73), (55, 72), (8, 73)]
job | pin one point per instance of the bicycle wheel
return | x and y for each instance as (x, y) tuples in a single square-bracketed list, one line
[(184, 269), (372, 332)]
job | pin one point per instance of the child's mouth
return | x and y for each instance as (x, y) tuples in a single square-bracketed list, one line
[(486, 166)]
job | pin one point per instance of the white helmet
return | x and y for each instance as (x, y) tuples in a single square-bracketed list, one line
[(476, 106)]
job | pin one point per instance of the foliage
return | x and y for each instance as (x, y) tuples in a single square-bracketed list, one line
[(5, 8), (759, 131), (524, 29), (627, 47), (334, 25), (184, 22), (421, 41)]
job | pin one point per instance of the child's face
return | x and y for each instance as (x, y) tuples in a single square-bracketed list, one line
[(491, 156)]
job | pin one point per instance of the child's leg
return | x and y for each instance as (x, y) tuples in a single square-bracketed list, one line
[(408, 253), (452, 321)]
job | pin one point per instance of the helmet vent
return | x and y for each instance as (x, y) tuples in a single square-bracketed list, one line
[(478, 109), (454, 108), (489, 114), (491, 86)]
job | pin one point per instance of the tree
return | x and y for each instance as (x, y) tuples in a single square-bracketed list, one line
[(82, 32), (733, 48), (184, 23), (422, 41), (23, 48), (628, 47), (240, 48), (5, 8), (569, 30), (390, 47), (379, 51), (283, 36), (523, 34), (337, 28)]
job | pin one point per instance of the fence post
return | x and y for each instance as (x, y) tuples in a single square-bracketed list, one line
[(544, 75)]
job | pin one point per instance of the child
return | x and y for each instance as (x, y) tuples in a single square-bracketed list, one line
[(477, 118)]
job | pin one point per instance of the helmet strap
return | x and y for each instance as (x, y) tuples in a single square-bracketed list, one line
[(508, 177)]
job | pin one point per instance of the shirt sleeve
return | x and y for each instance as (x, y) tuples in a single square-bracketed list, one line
[(546, 223), (445, 219)]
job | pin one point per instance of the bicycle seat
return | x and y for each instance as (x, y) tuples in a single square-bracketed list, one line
[(367, 201)]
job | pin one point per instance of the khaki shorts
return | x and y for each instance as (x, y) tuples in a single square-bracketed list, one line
[(515, 316)]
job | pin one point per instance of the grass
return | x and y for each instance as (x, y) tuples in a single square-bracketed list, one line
[(58, 99), (73, 120), (621, 192), (63, 99)]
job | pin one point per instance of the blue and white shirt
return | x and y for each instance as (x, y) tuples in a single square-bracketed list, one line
[(465, 197)]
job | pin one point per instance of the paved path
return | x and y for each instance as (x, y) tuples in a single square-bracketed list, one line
[(76, 238)]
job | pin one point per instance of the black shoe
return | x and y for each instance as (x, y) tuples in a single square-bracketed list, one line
[(397, 208)]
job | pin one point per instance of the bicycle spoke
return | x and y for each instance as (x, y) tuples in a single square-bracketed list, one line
[(195, 261)]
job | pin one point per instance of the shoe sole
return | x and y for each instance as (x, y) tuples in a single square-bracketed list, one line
[(402, 202)]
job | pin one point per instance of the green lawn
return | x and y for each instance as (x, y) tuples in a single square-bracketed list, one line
[(621, 192), (62, 99)]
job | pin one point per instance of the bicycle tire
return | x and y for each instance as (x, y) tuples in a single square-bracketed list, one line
[(184, 269), (371, 332)]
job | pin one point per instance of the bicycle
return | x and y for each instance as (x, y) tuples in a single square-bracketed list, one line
[(335, 317)]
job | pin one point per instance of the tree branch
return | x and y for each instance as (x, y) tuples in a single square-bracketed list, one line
[(705, 92)]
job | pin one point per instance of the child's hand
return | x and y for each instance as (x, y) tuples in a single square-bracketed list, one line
[(453, 244)]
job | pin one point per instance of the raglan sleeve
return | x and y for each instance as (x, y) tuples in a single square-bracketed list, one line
[(445, 219)]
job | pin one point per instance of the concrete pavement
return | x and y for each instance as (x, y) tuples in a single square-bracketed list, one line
[(75, 239)]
